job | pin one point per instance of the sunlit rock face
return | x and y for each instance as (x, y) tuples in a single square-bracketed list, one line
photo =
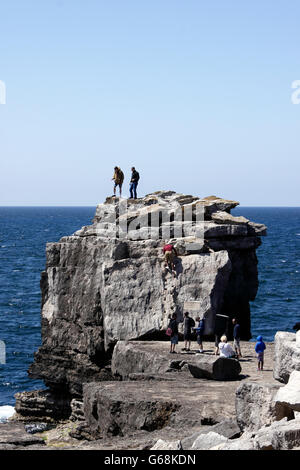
[(108, 281)]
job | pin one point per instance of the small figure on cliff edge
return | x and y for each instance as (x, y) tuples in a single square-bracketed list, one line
[(170, 252), (133, 183), (118, 178), (259, 349), (236, 337)]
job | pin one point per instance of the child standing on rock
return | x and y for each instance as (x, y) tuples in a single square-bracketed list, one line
[(259, 349)]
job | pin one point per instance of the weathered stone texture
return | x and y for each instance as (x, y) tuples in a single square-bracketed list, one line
[(287, 355), (107, 282)]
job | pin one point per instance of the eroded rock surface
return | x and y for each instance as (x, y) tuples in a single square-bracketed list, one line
[(107, 281), (287, 355)]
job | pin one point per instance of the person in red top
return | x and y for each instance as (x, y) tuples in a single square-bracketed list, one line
[(170, 252)]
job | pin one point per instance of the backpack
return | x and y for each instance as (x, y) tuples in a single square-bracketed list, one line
[(192, 322)]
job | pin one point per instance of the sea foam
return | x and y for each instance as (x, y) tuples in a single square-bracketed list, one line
[(6, 412)]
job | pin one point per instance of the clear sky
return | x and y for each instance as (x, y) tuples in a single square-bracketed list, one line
[(195, 94)]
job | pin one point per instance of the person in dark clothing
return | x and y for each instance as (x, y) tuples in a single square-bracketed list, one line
[(118, 178), (174, 336), (199, 332), (260, 349), (236, 337), (133, 183), (188, 323)]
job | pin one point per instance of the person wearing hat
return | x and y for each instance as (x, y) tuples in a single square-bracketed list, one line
[(133, 183)]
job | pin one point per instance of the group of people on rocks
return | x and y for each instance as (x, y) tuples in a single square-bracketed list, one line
[(188, 326), (223, 348), (118, 179)]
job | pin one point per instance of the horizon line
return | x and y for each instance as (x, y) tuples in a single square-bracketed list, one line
[(95, 205)]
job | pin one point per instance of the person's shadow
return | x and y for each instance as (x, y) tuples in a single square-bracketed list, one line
[(178, 266)]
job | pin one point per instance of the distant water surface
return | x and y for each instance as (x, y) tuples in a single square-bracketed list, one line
[(24, 232), (277, 304)]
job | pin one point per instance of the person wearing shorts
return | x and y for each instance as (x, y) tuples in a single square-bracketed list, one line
[(188, 323), (260, 349)]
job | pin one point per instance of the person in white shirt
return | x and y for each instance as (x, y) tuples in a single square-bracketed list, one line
[(225, 348)]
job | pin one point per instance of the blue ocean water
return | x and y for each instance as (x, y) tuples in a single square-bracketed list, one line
[(24, 232), (277, 304)]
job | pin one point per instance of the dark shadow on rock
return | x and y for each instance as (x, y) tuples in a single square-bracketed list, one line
[(178, 266)]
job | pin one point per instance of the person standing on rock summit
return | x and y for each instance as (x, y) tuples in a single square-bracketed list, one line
[(118, 178), (133, 183)]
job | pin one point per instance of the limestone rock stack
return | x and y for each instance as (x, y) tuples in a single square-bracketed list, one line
[(107, 281)]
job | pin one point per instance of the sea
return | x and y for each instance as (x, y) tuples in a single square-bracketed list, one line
[(24, 232)]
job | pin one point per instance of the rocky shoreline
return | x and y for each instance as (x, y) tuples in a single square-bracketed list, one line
[(110, 380), (174, 410)]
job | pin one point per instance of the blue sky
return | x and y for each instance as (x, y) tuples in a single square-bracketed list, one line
[(195, 94)]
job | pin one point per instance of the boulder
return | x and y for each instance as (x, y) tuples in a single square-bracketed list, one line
[(134, 357), (174, 406), (289, 395), (215, 368), (286, 355), (280, 435), (227, 428), (167, 445), (256, 406), (108, 411), (209, 440)]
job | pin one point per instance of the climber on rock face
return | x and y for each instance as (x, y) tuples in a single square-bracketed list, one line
[(170, 252)]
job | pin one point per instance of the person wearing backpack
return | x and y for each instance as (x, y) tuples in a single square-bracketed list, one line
[(188, 324), (133, 183), (173, 333), (118, 178)]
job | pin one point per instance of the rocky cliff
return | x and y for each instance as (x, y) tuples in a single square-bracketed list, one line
[(107, 281)]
